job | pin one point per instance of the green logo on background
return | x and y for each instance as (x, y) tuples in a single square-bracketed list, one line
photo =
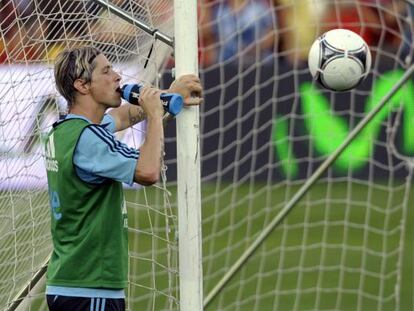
[(327, 131)]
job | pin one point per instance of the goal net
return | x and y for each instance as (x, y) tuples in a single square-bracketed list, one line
[(265, 129), (32, 34)]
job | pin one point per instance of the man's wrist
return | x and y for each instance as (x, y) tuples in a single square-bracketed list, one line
[(154, 118)]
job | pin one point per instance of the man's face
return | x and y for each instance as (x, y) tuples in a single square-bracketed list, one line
[(105, 82)]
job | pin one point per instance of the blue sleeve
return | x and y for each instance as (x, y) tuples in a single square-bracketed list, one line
[(108, 122), (99, 156)]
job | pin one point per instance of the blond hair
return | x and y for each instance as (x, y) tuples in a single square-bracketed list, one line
[(73, 64)]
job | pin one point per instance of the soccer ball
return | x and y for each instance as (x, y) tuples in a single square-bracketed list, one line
[(339, 60)]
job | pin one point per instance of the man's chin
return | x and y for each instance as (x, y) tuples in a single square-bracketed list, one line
[(117, 103), (114, 104)]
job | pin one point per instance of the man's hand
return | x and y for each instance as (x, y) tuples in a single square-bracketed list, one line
[(150, 102), (189, 87)]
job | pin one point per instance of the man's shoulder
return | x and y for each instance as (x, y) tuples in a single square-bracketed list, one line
[(69, 127), (71, 121)]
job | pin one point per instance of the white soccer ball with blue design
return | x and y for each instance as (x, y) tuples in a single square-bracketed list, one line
[(339, 60)]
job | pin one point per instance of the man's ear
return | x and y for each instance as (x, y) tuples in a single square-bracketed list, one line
[(81, 86)]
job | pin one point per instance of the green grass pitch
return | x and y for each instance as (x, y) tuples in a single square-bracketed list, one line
[(337, 256)]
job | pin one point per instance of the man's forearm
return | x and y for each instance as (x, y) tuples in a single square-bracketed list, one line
[(135, 114), (127, 115), (151, 152)]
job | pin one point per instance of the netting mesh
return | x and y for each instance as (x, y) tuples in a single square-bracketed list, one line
[(265, 128), (32, 34)]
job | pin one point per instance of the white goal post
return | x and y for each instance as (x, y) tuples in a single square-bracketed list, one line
[(188, 163)]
